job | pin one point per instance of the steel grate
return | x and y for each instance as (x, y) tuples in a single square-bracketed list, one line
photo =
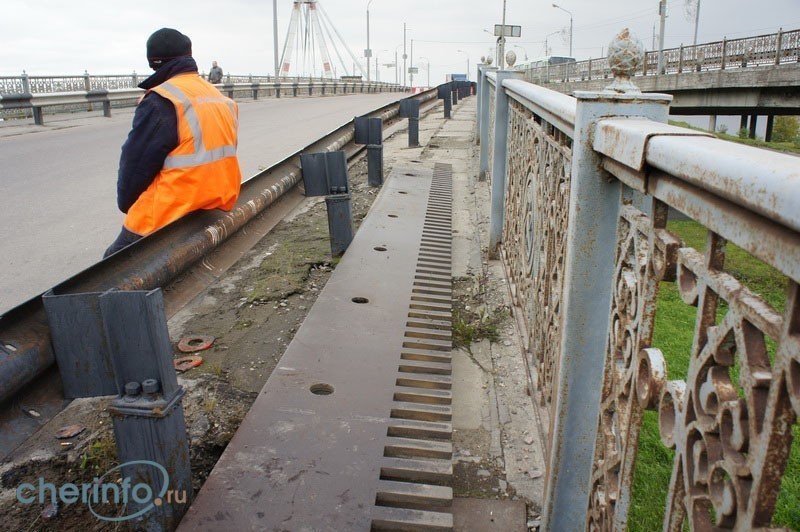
[(418, 453)]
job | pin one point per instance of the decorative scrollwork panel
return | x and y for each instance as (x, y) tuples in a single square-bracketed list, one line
[(534, 234), (645, 254), (729, 421)]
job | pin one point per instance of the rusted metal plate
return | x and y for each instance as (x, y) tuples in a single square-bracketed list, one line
[(352, 429), (625, 139)]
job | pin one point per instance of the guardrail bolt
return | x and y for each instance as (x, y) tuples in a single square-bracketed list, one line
[(132, 390), (150, 386)]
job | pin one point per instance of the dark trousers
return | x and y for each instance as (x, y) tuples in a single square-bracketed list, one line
[(125, 239)]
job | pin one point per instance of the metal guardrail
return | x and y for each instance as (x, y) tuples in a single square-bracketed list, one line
[(771, 49), (581, 190), (25, 350), (25, 83), (37, 102)]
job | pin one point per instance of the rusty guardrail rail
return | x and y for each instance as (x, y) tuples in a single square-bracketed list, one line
[(581, 190), (25, 350)]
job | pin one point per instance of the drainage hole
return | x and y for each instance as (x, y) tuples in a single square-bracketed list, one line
[(379, 248), (401, 192), (321, 389), (392, 215), (360, 300), (408, 174)]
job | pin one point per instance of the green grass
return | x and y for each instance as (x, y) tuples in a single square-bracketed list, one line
[(789, 147), (673, 334)]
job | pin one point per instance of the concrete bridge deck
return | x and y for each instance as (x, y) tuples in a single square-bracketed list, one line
[(472, 427)]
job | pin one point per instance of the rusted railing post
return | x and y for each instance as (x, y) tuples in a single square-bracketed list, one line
[(499, 161), (483, 98), (478, 103), (589, 271), (724, 52)]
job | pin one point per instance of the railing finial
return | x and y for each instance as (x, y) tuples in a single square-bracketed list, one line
[(625, 55)]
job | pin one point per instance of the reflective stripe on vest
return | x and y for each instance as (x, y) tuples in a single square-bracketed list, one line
[(200, 155)]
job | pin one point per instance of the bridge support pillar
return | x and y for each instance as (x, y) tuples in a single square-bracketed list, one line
[(594, 205), (770, 124), (499, 161), (753, 124), (483, 133), (712, 123)]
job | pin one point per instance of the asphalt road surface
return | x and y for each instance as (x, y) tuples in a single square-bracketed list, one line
[(58, 209)]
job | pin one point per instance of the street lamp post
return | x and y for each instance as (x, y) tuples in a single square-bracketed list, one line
[(570, 26), (368, 52), (546, 49), (396, 65), (521, 48), (404, 54), (275, 35), (465, 53), (427, 68)]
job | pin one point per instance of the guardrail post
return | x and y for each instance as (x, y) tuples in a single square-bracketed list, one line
[(680, 59), (340, 222), (589, 70), (26, 83), (254, 86), (149, 427), (135, 79), (483, 97), (446, 94), (594, 203), (38, 116), (409, 108), (778, 44), (369, 131), (311, 88), (499, 162), (277, 89)]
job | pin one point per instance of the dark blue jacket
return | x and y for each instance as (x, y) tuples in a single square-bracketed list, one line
[(153, 135)]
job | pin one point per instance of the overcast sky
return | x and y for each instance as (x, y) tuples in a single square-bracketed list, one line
[(60, 37)]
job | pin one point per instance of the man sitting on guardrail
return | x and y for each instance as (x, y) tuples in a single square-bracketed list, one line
[(180, 155)]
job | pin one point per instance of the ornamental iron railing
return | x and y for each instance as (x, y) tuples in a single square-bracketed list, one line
[(583, 201), (772, 49)]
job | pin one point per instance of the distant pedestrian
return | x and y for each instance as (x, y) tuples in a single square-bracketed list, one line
[(180, 155), (215, 74)]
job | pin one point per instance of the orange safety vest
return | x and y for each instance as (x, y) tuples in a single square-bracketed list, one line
[(202, 172)]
